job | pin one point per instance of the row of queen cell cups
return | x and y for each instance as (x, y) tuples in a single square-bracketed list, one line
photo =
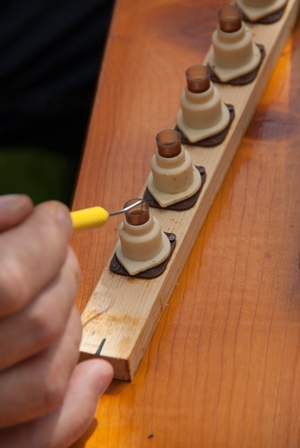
[(174, 178)]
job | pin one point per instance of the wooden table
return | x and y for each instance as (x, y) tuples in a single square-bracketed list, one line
[(223, 368)]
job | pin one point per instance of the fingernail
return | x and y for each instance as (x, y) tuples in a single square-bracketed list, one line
[(64, 219), (9, 200)]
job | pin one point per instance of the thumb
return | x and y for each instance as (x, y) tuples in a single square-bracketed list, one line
[(63, 426), (14, 208)]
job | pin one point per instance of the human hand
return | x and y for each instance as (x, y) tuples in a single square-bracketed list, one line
[(47, 400)]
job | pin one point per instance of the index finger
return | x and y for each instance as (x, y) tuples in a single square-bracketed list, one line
[(32, 254), (14, 208)]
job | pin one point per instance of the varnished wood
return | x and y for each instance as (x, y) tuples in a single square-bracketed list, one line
[(223, 366), (122, 314)]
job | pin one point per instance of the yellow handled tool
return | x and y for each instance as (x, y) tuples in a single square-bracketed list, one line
[(90, 218)]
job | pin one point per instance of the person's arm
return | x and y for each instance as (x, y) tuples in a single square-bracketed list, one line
[(47, 399)]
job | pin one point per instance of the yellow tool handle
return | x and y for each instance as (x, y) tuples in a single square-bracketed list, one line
[(89, 218)]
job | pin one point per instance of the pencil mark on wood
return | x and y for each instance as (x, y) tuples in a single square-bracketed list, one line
[(98, 352)]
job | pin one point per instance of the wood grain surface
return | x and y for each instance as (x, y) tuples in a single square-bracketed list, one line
[(223, 368)]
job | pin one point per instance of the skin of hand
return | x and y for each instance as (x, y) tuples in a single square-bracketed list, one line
[(47, 399)]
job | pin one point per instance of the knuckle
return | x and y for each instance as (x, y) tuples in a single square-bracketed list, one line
[(29, 259), (49, 235), (55, 216), (53, 392), (44, 326), (13, 288), (56, 379), (57, 366), (49, 231), (49, 315)]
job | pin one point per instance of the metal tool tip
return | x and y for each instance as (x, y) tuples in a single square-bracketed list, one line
[(128, 207)]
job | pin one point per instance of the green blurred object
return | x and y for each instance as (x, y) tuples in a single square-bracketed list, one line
[(38, 172)]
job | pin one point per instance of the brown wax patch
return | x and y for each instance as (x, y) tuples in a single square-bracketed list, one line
[(182, 205), (214, 140), (117, 268), (240, 80)]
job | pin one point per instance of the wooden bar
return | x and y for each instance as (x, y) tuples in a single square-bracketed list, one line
[(122, 314), (222, 367)]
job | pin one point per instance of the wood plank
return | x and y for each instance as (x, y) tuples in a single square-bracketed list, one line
[(122, 313), (222, 368)]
